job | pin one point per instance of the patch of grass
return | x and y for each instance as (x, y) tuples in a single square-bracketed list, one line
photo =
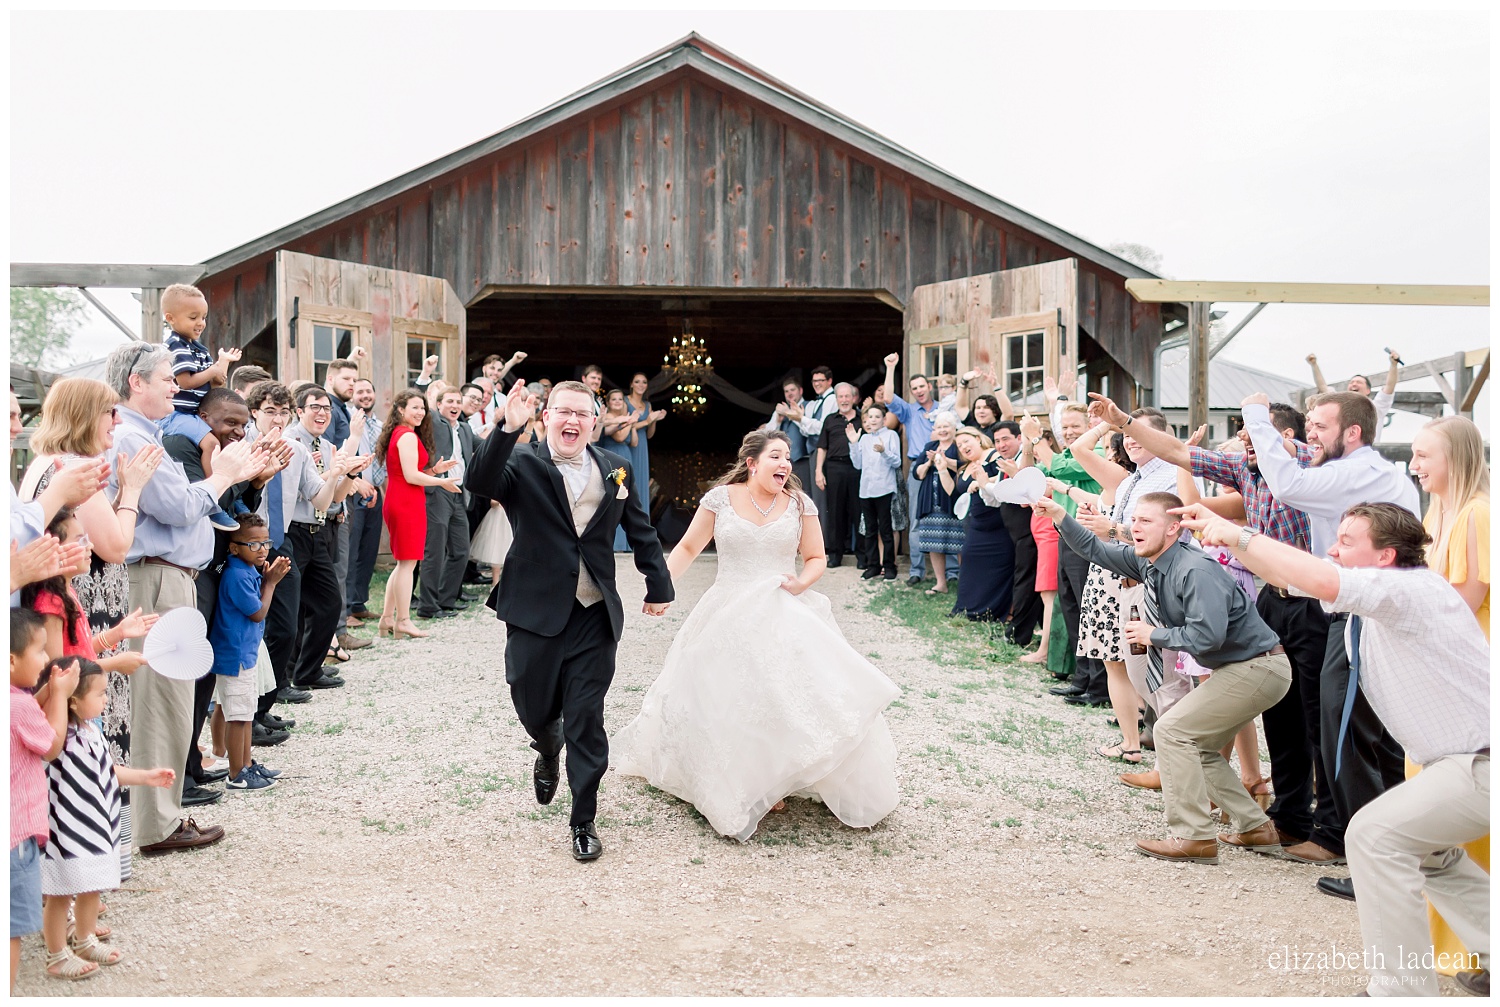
[(954, 640), (1013, 822), (380, 825), (337, 728), (696, 860)]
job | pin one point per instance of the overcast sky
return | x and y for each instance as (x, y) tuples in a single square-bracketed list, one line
[(1318, 147)]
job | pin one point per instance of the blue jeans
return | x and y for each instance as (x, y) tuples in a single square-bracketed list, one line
[(25, 888), (918, 558)]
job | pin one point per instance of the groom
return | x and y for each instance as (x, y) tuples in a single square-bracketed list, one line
[(557, 593)]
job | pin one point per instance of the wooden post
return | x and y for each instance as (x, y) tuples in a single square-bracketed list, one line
[(1463, 377), (151, 314), (1198, 322)]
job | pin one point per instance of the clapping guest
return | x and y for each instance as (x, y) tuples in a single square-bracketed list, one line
[(639, 452), (939, 533), (876, 453), (984, 591), (364, 506), (1026, 607)]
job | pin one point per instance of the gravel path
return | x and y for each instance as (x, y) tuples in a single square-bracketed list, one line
[(404, 853)]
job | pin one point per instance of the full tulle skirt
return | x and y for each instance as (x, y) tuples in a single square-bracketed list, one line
[(762, 698)]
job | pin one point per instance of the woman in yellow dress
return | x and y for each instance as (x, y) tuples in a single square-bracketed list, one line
[(1447, 457)]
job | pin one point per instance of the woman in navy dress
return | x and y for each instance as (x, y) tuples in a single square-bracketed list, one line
[(984, 590), (634, 448)]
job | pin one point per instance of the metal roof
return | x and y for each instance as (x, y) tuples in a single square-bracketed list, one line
[(1229, 383), (729, 72)]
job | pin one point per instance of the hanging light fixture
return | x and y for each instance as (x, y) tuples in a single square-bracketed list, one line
[(688, 364)]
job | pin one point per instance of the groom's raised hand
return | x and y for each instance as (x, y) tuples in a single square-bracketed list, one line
[(520, 406), (656, 608)]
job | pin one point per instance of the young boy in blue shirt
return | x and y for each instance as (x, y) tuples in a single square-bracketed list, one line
[(245, 590), (185, 310)]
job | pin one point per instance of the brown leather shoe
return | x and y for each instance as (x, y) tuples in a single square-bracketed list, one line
[(1311, 853), (1262, 839), (1192, 851), (188, 836), (351, 642), (1149, 780)]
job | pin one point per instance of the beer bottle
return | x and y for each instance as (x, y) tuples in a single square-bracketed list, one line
[(1135, 616)]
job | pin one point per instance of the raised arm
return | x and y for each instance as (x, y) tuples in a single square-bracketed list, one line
[(1277, 564), (1159, 442), (1318, 379), (1117, 559), (1393, 373), (1103, 471), (891, 360)]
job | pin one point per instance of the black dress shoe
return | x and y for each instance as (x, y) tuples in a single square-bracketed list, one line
[(292, 694), (1339, 888), (586, 845), (264, 737), (1065, 690), (545, 773), (271, 722), (441, 613), (836, 559), (195, 797), (208, 776), (457, 606), (1083, 699), (324, 681)]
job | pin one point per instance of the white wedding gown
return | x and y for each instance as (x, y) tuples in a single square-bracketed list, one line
[(761, 697)]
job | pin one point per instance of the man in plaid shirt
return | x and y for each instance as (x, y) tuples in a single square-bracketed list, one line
[(1293, 725)]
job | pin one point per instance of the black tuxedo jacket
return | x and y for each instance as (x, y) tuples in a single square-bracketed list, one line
[(442, 445), (540, 578)]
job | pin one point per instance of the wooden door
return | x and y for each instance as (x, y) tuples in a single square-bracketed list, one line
[(1020, 322), (327, 307)]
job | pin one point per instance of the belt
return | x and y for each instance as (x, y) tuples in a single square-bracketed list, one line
[(158, 561), (309, 526), (1127, 582)]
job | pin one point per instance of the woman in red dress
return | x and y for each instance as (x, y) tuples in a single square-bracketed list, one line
[(404, 446)]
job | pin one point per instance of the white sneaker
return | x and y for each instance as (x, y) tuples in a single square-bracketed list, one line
[(213, 763)]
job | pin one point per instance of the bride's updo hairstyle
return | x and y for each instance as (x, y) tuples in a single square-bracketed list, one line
[(752, 447)]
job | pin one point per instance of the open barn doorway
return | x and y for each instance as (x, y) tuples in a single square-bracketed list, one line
[(754, 338)]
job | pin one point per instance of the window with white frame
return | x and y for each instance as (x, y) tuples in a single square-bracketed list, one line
[(1025, 364), (330, 342)]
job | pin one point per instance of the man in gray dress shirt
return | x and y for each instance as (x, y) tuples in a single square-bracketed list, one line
[(1192, 604), (173, 541), (447, 549)]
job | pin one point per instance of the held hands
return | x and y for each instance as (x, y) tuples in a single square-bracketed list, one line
[(1139, 633), (136, 472), (1103, 410), (1214, 530), (656, 608)]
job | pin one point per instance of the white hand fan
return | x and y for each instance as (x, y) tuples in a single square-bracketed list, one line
[(177, 646), (1025, 487)]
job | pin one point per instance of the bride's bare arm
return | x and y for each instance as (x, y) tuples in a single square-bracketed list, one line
[(814, 559), (699, 534)]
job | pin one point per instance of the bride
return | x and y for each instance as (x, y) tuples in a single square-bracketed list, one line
[(761, 697)]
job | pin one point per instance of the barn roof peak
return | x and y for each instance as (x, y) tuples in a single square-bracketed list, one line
[(696, 54)]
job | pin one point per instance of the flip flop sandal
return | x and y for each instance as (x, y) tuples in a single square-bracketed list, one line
[(73, 967), (934, 591), (90, 950), (1119, 754), (336, 655)]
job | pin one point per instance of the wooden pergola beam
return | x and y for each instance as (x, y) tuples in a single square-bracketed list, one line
[(81, 274), (1189, 291), (1472, 394)]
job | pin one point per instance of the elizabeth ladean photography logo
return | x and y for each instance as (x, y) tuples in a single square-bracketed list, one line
[(1335, 959)]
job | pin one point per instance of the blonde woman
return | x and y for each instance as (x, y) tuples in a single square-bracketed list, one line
[(1447, 457)]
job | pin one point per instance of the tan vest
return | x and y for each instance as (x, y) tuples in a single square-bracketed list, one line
[(584, 508)]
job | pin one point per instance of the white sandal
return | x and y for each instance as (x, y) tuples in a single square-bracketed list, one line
[(73, 967), (90, 950)]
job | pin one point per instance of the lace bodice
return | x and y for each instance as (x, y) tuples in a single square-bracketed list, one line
[(746, 550)]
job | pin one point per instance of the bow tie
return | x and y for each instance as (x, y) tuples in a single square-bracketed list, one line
[(576, 462)]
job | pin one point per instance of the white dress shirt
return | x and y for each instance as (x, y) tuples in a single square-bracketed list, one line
[(1424, 663), (815, 411), (1327, 490)]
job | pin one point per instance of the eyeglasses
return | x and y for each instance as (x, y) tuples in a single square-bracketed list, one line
[(255, 545), (114, 413), (276, 414), (313, 408), (573, 414)]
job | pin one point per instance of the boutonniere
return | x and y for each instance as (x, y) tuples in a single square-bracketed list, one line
[(618, 478)]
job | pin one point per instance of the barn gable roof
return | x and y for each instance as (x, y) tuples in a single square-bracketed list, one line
[(695, 55)]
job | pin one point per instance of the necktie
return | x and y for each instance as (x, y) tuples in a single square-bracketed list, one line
[(1353, 690), (1153, 616), (317, 453), (273, 510)]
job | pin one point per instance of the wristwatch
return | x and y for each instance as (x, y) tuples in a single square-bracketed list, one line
[(1246, 534)]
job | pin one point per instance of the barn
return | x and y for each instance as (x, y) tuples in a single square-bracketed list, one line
[(689, 192)]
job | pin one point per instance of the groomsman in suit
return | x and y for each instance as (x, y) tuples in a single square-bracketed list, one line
[(442, 569), (823, 404), (788, 418)]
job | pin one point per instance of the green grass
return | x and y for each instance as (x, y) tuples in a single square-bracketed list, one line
[(954, 640)]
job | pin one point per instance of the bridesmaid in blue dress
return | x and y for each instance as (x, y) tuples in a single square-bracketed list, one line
[(645, 419)]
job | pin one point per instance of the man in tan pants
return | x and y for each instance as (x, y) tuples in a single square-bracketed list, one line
[(1190, 603), (1417, 654), (173, 541)]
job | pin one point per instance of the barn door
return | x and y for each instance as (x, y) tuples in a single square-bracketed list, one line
[(327, 307), (1020, 322)]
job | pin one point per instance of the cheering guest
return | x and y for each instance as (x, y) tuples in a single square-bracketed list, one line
[(646, 419), (365, 524), (985, 415), (1360, 385), (939, 533), (1417, 654), (1191, 604), (409, 429), (984, 591), (788, 419), (916, 417), (1025, 605), (834, 474), (447, 547), (876, 453)]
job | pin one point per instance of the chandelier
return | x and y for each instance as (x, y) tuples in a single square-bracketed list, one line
[(688, 365)]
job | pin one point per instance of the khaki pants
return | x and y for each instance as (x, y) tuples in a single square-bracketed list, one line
[(1404, 844), (1173, 685), (161, 709), (1189, 736)]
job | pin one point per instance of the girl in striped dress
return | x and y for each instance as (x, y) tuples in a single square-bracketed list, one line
[(83, 847)]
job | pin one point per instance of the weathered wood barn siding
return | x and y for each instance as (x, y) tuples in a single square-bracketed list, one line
[(686, 185)]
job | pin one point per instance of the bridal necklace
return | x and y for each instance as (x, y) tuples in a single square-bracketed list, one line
[(764, 511)]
